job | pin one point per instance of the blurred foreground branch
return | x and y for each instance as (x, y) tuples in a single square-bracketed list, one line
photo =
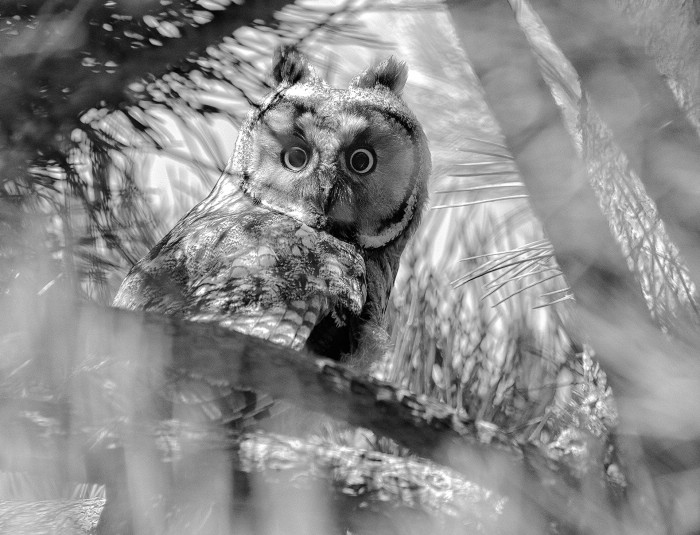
[(146, 355), (61, 62), (371, 480), (94, 381), (638, 106)]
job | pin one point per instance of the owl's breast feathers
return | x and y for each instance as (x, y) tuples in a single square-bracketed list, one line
[(256, 270)]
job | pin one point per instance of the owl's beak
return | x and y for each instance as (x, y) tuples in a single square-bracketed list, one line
[(333, 195), (322, 199), (337, 205)]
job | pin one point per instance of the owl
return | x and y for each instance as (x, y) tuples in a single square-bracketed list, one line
[(300, 239)]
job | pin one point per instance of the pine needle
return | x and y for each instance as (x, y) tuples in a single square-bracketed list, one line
[(483, 201)]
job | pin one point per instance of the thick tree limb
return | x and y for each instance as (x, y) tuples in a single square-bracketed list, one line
[(147, 348), (408, 480), (96, 378)]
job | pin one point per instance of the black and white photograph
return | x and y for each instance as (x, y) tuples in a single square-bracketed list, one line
[(349, 267)]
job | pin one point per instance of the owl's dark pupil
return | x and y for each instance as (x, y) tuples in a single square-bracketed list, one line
[(295, 158), (360, 161)]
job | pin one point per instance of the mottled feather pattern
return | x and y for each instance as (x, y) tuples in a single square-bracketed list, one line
[(242, 260)]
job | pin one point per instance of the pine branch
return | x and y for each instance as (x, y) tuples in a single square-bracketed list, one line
[(61, 62)]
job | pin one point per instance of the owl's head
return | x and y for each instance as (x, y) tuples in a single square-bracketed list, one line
[(353, 162)]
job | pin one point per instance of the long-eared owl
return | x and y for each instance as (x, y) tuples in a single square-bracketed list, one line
[(299, 241)]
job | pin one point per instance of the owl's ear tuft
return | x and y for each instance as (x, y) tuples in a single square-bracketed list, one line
[(390, 73), (290, 66)]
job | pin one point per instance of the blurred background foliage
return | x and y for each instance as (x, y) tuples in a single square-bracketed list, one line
[(118, 116)]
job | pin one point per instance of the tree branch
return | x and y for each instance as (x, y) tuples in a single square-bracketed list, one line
[(57, 65), (104, 375), (367, 479)]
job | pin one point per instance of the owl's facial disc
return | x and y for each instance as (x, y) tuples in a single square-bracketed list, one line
[(379, 163), (348, 169)]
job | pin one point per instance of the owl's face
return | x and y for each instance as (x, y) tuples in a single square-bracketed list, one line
[(353, 162)]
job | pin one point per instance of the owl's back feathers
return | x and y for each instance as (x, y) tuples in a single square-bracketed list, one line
[(259, 272)]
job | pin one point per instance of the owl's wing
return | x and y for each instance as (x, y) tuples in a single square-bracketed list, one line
[(254, 270)]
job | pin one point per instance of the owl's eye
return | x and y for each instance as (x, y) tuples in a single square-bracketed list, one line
[(295, 158), (361, 161)]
